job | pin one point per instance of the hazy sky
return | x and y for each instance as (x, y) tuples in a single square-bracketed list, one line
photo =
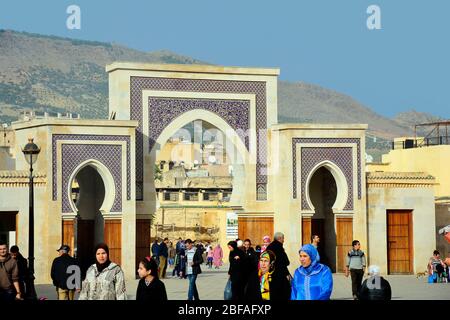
[(405, 65)]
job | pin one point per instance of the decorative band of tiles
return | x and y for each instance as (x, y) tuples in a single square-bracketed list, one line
[(335, 155), (258, 88), (75, 154), (162, 111), (87, 137)]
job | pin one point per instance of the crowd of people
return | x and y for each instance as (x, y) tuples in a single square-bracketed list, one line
[(257, 274)]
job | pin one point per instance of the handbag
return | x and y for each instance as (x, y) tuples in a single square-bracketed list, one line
[(227, 294)]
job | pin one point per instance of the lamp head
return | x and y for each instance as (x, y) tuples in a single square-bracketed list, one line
[(31, 151)]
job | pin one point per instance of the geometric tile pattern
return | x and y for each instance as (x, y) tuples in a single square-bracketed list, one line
[(258, 88), (88, 137), (313, 155), (109, 155), (162, 111), (261, 192), (341, 157)]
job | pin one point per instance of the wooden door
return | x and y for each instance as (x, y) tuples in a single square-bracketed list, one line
[(306, 231), (399, 241), (68, 234), (113, 238), (255, 229), (142, 239), (313, 226), (344, 238), (85, 243)]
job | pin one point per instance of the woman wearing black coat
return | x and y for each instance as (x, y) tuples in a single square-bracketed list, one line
[(236, 271)]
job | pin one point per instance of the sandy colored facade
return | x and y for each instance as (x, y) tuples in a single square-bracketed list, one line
[(403, 195), (432, 160), (55, 168), (299, 179)]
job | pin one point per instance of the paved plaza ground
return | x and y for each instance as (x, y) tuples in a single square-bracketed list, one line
[(211, 284)]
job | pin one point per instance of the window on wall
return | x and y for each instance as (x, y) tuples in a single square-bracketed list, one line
[(170, 196), (191, 196), (211, 196), (226, 196)]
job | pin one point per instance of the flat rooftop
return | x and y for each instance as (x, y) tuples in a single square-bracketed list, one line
[(191, 68)]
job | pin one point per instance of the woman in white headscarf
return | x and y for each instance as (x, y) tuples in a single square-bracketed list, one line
[(375, 287)]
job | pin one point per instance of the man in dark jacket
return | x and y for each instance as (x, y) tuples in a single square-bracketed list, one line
[(163, 255), (281, 266), (64, 267), (375, 287), (9, 276), (155, 250), (193, 261), (22, 264)]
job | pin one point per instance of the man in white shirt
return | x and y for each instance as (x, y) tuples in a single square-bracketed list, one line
[(193, 261)]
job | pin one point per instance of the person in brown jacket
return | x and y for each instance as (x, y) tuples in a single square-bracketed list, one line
[(9, 276)]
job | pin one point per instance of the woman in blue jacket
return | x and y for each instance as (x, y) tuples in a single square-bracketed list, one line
[(312, 280)]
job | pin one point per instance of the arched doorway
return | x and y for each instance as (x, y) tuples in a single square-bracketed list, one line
[(323, 194), (88, 196), (198, 166), (213, 197)]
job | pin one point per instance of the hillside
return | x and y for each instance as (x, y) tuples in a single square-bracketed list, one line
[(311, 103), (413, 117), (47, 73), (54, 74)]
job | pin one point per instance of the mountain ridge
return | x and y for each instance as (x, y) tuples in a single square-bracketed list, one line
[(48, 73)]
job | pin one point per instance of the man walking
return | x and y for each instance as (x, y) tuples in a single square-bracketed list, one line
[(193, 261), (163, 255), (60, 273), (22, 264), (9, 276), (355, 265), (281, 265)]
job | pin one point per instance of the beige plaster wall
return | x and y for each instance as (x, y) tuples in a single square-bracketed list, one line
[(433, 160), (7, 162), (421, 201)]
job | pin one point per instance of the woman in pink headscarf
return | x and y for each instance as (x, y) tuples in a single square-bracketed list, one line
[(217, 256), (266, 242)]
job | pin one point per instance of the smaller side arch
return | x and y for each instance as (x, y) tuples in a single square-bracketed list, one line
[(108, 181), (341, 184)]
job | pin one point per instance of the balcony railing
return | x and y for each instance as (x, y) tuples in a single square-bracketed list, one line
[(422, 142)]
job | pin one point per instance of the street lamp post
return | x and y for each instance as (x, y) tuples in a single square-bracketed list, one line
[(31, 151)]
